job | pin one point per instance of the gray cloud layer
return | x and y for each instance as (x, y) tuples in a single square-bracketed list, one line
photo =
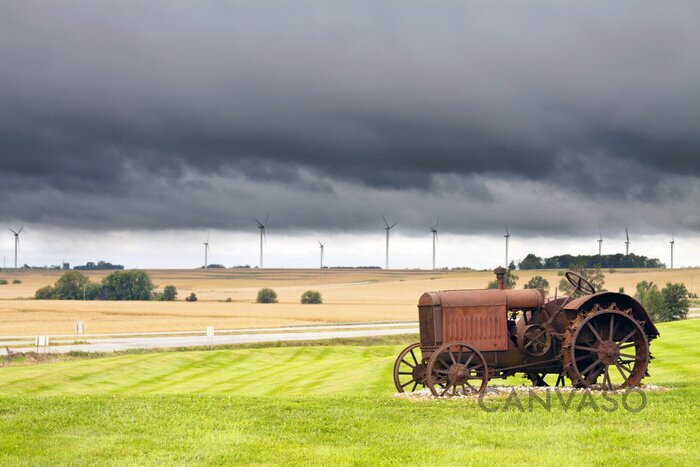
[(557, 117)]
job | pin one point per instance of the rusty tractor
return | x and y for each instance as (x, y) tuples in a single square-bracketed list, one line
[(468, 337)]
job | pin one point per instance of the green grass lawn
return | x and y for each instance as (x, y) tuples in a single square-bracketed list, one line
[(323, 404)]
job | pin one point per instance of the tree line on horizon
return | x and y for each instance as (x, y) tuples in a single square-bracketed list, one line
[(120, 285), (566, 261)]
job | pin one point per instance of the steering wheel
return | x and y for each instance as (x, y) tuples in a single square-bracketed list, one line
[(579, 283)]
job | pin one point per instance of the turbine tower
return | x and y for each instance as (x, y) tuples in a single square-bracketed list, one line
[(387, 228), (261, 227), (16, 234), (321, 245), (434, 230), (507, 237), (627, 242), (600, 243), (672, 242), (206, 252)]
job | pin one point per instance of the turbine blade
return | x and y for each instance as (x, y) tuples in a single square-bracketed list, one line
[(628, 235), (392, 225), (13, 231), (20, 229), (506, 226), (267, 216), (260, 224), (385, 222), (437, 224)]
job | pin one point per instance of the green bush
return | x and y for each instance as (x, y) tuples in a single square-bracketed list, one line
[(675, 301), (311, 297), (94, 291), (191, 298), (70, 286), (169, 293), (16, 281), (668, 304), (44, 293), (3, 281), (538, 282), (127, 285), (267, 296), (649, 296)]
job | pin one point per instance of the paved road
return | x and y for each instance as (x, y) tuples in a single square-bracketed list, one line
[(127, 343)]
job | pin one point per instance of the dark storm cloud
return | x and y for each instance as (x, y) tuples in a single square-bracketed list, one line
[(166, 114)]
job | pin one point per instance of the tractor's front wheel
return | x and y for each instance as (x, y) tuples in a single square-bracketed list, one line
[(409, 369), (457, 369)]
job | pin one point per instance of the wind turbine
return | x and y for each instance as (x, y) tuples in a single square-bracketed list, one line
[(206, 251), (387, 228), (16, 234), (321, 245), (672, 242), (627, 243), (507, 237), (600, 243), (435, 236), (261, 227)]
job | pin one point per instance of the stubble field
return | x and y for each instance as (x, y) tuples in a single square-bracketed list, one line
[(349, 296)]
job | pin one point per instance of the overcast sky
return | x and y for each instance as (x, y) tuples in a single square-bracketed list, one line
[(129, 129)]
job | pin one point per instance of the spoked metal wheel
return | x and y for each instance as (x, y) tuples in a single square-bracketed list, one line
[(608, 344), (409, 369), (457, 369)]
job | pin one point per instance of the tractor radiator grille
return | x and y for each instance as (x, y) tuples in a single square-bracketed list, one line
[(426, 320), (483, 327)]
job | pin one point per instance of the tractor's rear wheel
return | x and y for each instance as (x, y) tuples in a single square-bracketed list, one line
[(608, 344), (457, 369), (409, 369)]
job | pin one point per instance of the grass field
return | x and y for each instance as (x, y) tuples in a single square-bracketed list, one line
[(349, 296), (323, 405)]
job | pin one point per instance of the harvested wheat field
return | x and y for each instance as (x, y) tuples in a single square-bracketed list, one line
[(349, 296)]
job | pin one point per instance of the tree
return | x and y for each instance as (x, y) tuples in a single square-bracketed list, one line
[(595, 276), (676, 301), (267, 296), (311, 297), (512, 266), (127, 285), (510, 280), (647, 293), (93, 291), (538, 282), (44, 293), (531, 262), (191, 298), (169, 293), (70, 286)]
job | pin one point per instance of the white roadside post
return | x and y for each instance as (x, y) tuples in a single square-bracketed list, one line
[(41, 341), (80, 327), (210, 336)]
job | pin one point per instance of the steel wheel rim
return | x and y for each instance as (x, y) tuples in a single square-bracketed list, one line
[(595, 359), (408, 366), (460, 372)]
